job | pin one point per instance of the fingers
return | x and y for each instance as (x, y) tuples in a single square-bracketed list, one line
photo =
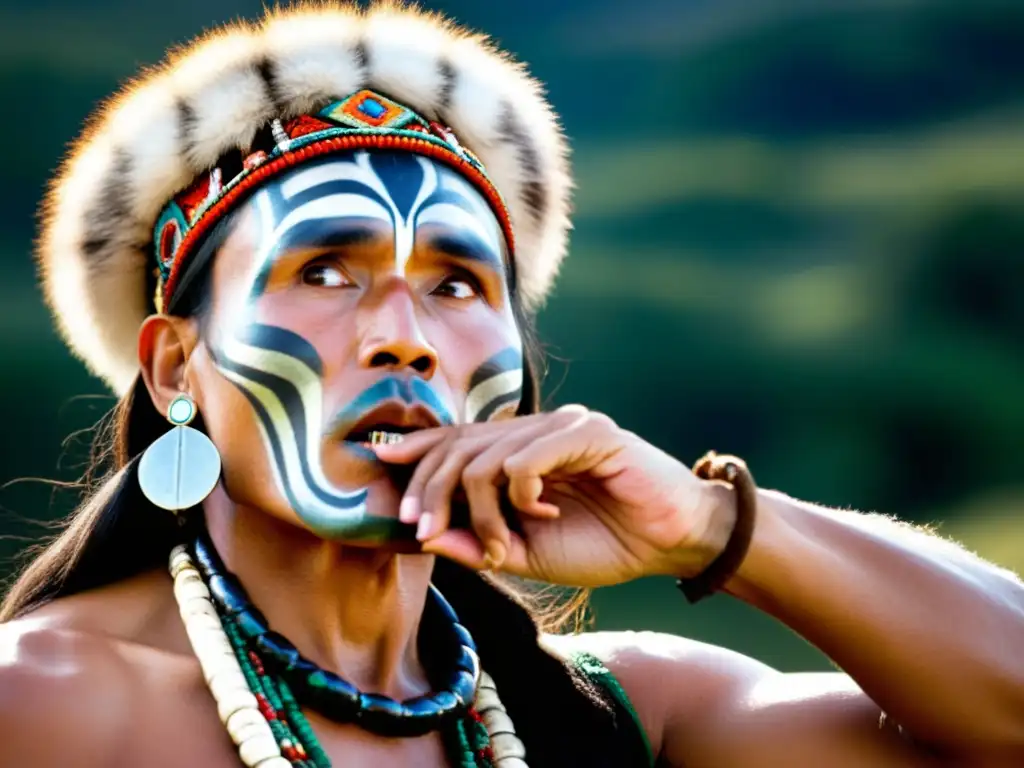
[(475, 465), (483, 495), (410, 509), (481, 479), (466, 549), (586, 444), (412, 446), (439, 487), (524, 492), (415, 445), (481, 459)]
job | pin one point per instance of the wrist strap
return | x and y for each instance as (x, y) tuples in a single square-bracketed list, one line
[(734, 471)]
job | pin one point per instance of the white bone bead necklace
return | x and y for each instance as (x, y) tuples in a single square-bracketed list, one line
[(238, 707)]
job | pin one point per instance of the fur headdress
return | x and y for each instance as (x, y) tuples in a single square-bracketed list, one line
[(171, 126)]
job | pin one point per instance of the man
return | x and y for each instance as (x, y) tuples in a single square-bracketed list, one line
[(325, 235)]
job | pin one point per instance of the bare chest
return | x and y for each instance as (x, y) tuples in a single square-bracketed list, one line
[(177, 724)]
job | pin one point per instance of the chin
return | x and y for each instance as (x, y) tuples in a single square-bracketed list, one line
[(350, 466), (376, 524)]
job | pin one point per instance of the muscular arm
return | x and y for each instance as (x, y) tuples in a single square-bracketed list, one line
[(924, 631), (931, 633)]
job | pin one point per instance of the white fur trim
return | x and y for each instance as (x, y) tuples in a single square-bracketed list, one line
[(162, 131)]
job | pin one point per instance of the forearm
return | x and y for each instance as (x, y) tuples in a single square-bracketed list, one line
[(932, 634)]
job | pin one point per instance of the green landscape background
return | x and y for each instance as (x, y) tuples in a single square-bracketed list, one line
[(799, 238)]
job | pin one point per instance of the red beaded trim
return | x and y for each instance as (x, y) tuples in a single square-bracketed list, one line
[(256, 663), (484, 755), (268, 712), (336, 144)]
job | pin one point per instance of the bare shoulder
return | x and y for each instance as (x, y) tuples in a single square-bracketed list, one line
[(671, 681), (64, 696), (703, 705)]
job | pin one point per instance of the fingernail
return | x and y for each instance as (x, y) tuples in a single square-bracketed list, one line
[(423, 529), (409, 510)]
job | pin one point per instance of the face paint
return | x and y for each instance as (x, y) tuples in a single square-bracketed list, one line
[(280, 372), (402, 191), (496, 387), (413, 393)]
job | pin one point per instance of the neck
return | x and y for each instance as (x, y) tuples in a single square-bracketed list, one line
[(353, 610)]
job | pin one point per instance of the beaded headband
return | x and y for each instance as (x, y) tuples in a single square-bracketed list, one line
[(191, 131), (364, 120)]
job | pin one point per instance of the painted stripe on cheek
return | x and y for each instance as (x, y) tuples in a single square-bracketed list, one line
[(490, 389)]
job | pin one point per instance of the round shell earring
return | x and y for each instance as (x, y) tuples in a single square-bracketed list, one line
[(182, 467)]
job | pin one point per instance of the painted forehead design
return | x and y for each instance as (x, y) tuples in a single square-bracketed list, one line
[(404, 191)]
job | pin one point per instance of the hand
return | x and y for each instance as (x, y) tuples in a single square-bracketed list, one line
[(597, 504)]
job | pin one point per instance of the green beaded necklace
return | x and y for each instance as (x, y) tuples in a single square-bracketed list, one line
[(470, 747), (467, 737)]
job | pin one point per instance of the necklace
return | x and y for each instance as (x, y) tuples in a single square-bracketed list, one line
[(263, 716), (326, 692)]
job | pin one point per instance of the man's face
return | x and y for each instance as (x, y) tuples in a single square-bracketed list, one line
[(366, 290)]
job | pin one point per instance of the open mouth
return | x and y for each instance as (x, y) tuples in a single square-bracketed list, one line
[(389, 423), (379, 434)]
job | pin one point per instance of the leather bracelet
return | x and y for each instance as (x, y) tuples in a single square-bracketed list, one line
[(734, 471)]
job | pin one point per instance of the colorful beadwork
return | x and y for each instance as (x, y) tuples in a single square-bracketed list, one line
[(265, 720), (326, 692), (237, 706), (363, 120), (271, 705), (368, 108)]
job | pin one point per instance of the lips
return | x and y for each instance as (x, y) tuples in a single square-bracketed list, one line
[(387, 419)]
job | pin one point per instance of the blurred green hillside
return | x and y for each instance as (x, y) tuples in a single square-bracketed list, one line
[(799, 238)]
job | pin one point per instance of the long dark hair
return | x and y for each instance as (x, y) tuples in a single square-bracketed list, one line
[(116, 533)]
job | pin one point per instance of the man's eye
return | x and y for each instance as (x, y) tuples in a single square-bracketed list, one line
[(324, 275), (458, 288)]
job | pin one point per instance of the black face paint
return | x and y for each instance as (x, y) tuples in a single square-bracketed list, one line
[(328, 204), (496, 386)]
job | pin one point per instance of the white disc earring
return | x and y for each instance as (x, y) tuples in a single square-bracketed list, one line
[(182, 467)]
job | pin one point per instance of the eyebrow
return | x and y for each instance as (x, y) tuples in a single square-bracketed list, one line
[(465, 246), (335, 232)]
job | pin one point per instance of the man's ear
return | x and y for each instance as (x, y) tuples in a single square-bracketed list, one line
[(165, 344)]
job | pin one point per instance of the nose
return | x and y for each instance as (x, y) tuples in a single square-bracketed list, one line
[(392, 337)]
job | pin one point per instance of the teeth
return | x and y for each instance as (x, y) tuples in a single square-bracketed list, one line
[(385, 438)]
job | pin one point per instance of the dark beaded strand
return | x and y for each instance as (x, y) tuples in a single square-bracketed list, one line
[(328, 693), (464, 733)]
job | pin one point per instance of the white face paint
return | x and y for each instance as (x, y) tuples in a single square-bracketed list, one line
[(497, 386), (430, 205), (281, 373)]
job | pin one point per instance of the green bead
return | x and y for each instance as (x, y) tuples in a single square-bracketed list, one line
[(265, 686), (302, 727), (465, 739), (466, 757)]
